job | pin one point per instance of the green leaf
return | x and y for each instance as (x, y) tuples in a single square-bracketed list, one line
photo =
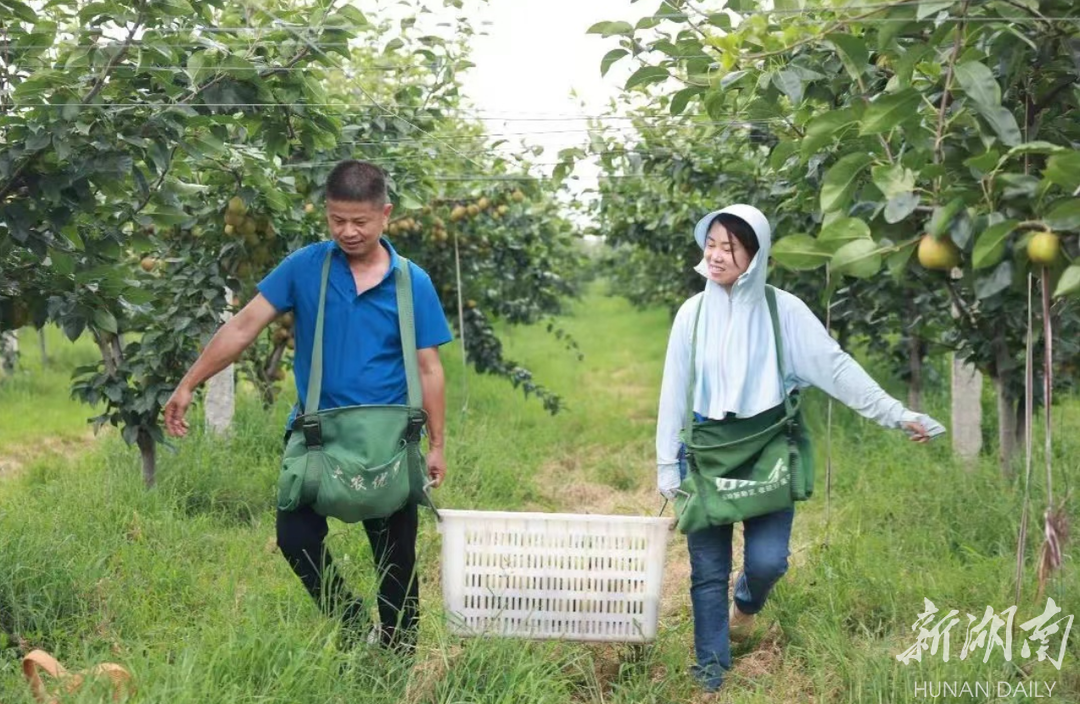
[(893, 179), (1069, 281), (682, 98), (610, 29), (842, 231), (195, 64), (1037, 147), (799, 252), (790, 84), (900, 206), (839, 181), (906, 63), (824, 128), (666, 47), (73, 326), (646, 75), (166, 215), (63, 264), (861, 259), (276, 200), (104, 320), (353, 16), (929, 8), (1014, 186), (1002, 122), (996, 282), (852, 52), (238, 68), (781, 152), (888, 111), (1064, 170), (897, 262), (610, 58), (1065, 215), (720, 20), (175, 8), (990, 246), (943, 216), (732, 78), (20, 10), (983, 163), (978, 83)]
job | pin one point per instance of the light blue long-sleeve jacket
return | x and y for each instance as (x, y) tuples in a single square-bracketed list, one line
[(736, 370)]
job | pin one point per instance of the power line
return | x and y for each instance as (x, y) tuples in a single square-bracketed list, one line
[(274, 17)]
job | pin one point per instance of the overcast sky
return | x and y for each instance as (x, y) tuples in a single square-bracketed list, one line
[(536, 56)]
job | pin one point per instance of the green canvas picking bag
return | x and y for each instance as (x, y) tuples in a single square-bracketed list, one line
[(739, 468), (358, 462)]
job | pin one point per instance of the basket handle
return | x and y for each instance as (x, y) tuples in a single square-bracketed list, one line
[(38, 661), (431, 504)]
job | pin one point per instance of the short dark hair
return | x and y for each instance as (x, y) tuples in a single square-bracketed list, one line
[(357, 181), (740, 230)]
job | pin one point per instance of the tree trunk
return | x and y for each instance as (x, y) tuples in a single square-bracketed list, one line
[(966, 409), (44, 351), (915, 373), (1007, 428), (220, 399), (9, 350), (267, 375), (112, 354), (148, 452), (1020, 424), (1006, 407)]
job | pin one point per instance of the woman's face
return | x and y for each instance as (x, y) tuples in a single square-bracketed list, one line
[(725, 256)]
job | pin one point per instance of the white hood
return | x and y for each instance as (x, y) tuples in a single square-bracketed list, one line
[(736, 361)]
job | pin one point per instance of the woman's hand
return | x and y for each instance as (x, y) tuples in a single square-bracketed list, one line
[(668, 480), (916, 431), (921, 427)]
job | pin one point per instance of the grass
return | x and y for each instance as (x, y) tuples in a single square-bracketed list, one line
[(184, 585), (35, 403)]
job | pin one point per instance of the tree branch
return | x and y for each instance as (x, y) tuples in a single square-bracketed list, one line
[(840, 24), (98, 85), (292, 62), (157, 184), (100, 82), (940, 133), (960, 304)]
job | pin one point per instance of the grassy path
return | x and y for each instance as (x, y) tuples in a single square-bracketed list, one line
[(184, 584)]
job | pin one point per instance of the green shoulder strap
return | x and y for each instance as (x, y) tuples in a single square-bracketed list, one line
[(770, 298), (406, 326), (314, 391), (688, 428)]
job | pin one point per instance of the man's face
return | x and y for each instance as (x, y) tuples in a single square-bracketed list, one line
[(357, 225)]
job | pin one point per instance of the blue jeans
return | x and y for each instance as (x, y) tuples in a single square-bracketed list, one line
[(765, 560)]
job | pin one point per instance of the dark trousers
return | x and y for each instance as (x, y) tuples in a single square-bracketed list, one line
[(301, 535)]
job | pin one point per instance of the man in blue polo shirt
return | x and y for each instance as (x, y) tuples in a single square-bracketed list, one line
[(363, 363)]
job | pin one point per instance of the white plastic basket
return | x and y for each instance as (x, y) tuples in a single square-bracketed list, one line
[(553, 575)]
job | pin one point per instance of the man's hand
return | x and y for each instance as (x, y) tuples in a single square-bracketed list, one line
[(175, 409), (436, 466)]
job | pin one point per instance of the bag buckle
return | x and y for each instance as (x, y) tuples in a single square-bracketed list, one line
[(312, 427), (414, 427)]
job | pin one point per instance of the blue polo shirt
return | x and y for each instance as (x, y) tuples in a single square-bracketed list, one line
[(363, 363)]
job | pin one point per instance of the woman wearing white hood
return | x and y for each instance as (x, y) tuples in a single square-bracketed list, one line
[(723, 353)]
